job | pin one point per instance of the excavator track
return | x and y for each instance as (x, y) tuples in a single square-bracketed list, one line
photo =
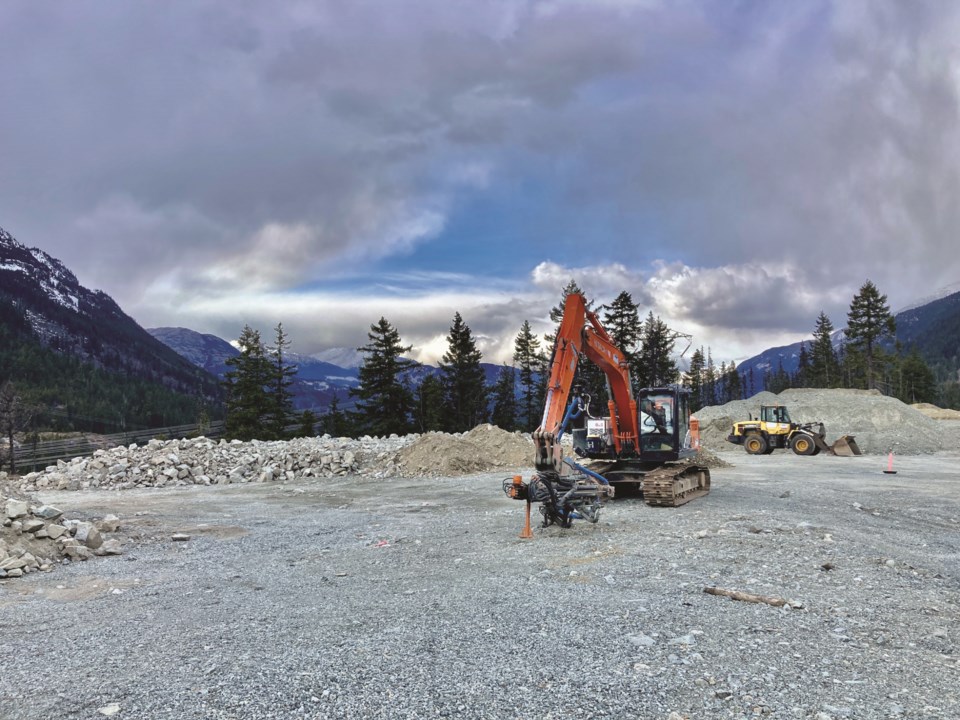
[(673, 485)]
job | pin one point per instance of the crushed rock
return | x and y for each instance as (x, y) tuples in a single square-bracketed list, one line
[(879, 423), (484, 448), (34, 537), (937, 413)]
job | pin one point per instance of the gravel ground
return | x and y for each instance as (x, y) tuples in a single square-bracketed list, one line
[(414, 598)]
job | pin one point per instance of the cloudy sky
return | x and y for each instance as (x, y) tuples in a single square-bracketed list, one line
[(736, 166)]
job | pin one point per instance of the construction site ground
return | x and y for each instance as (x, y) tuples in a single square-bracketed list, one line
[(362, 597)]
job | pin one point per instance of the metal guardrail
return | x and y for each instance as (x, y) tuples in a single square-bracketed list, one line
[(32, 456)]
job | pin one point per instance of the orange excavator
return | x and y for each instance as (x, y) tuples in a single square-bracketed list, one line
[(648, 444)]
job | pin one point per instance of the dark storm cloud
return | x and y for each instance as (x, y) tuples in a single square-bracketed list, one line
[(180, 154)]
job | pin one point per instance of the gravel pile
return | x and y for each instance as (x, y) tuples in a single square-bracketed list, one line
[(34, 537), (486, 447), (880, 424), (937, 413), (201, 461)]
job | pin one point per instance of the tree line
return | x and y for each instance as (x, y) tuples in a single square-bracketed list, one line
[(868, 357), (397, 396)]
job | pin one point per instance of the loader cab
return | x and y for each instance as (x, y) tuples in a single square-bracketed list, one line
[(774, 414), (664, 421)]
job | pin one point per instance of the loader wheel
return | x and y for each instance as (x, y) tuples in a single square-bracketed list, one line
[(803, 445), (755, 444)]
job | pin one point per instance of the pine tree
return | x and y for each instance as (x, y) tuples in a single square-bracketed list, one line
[(14, 416), (385, 403), (709, 381), (556, 312), (621, 319), (916, 382), (335, 422), (428, 413), (281, 398), (464, 383), (732, 383), (802, 375), (248, 382), (655, 366), (530, 363), (307, 420), (505, 399), (824, 371), (695, 379), (868, 322)]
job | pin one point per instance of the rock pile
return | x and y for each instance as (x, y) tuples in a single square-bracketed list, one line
[(880, 424), (937, 413), (484, 448), (201, 461), (33, 538)]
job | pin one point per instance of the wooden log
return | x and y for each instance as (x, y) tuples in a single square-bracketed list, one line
[(750, 597)]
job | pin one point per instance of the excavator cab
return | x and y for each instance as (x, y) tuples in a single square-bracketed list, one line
[(664, 421)]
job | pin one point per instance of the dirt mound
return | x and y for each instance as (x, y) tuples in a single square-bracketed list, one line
[(484, 448), (937, 413), (880, 424), (707, 458)]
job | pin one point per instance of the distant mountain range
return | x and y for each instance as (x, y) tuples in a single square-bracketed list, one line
[(933, 328), (71, 320), (318, 379)]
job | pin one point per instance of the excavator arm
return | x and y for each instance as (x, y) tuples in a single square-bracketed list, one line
[(580, 334)]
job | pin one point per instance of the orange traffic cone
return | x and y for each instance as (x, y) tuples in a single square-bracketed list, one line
[(890, 470), (527, 533)]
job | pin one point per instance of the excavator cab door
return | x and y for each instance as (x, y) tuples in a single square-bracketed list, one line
[(664, 420)]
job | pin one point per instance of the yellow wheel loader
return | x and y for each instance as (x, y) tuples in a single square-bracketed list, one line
[(775, 430)]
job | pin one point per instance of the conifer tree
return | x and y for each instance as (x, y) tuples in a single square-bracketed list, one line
[(655, 365), (247, 383), (621, 319), (530, 363), (695, 377), (733, 385), (916, 382), (709, 380), (824, 369), (801, 379), (464, 383), (308, 420), (505, 399), (868, 322), (281, 398), (429, 414), (385, 403), (335, 422)]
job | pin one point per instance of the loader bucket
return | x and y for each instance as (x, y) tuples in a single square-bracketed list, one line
[(846, 446)]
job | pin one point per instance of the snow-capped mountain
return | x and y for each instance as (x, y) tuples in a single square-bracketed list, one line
[(72, 320), (340, 356), (315, 384)]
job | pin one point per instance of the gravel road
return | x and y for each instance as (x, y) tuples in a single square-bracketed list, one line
[(414, 598)]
